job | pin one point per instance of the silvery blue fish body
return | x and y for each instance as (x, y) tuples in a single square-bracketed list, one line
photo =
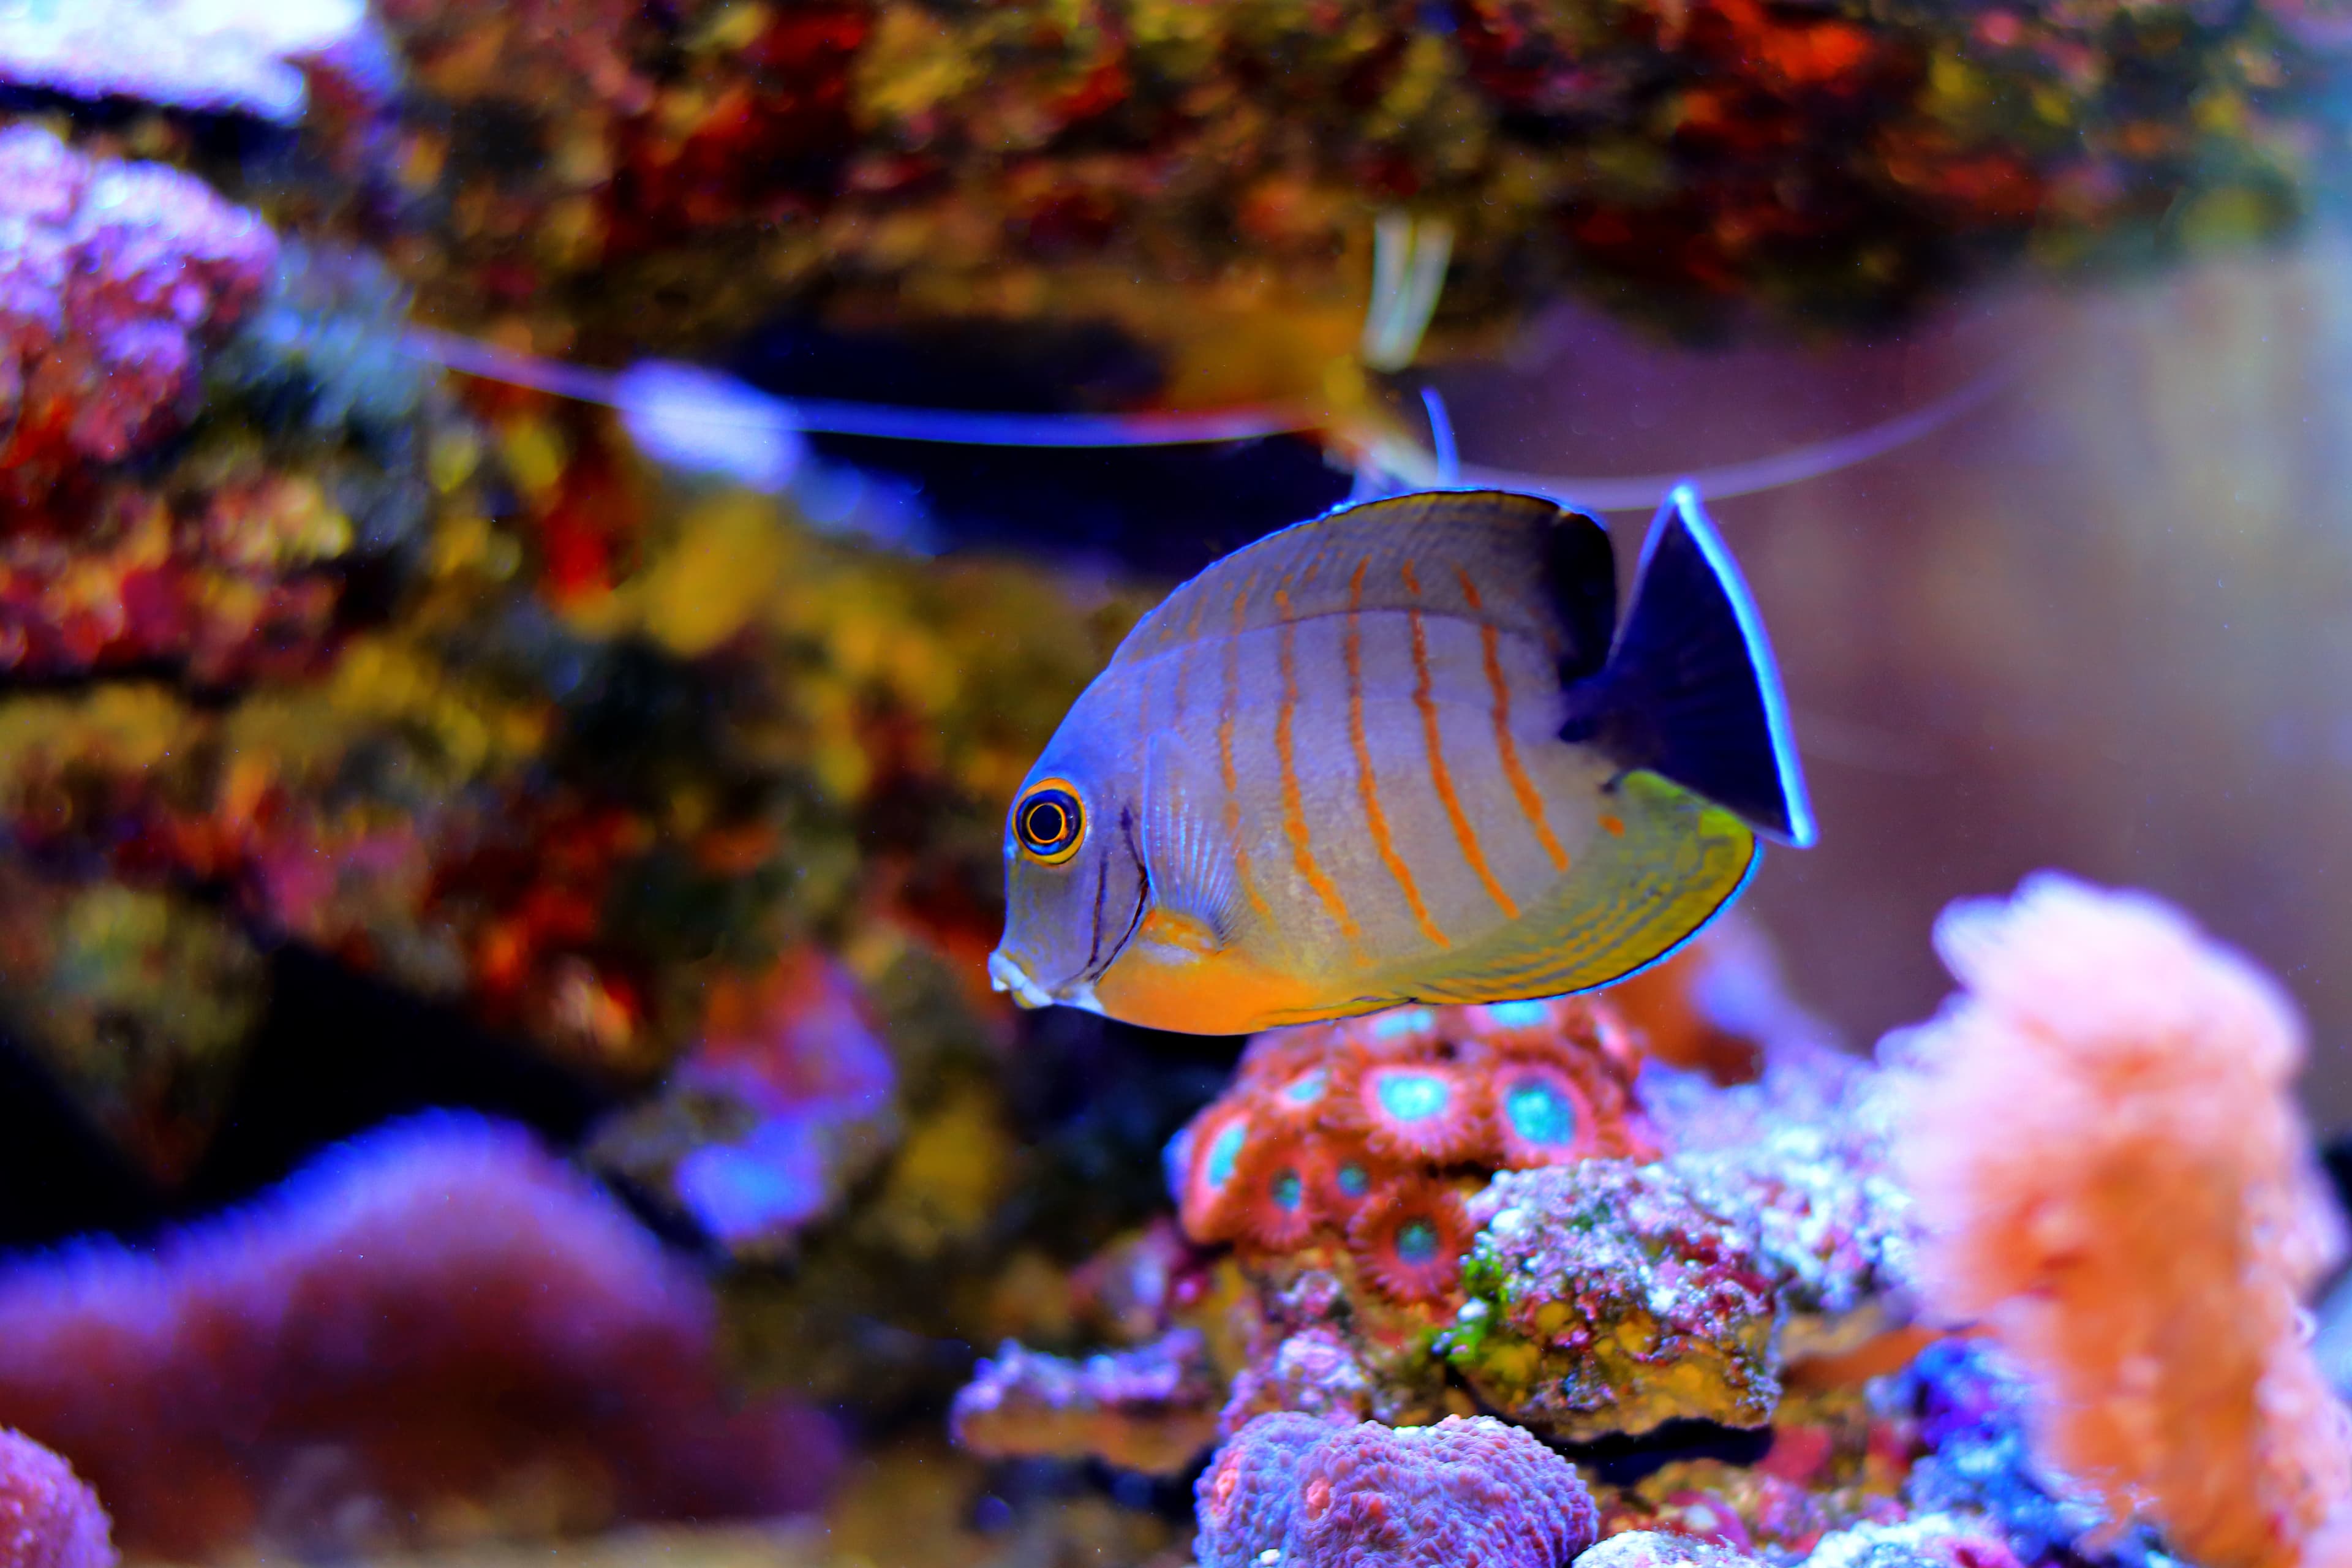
[(1403, 751)]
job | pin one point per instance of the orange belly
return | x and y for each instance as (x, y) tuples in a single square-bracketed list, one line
[(1219, 993)]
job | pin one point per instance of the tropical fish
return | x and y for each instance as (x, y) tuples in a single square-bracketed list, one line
[(1402, 753)]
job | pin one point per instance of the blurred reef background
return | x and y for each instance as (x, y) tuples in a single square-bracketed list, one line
[(495, 1054)]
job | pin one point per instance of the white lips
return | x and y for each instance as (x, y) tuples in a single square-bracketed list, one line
[(1003, 974)]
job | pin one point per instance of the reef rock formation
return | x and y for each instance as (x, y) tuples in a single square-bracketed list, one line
[(761, 1128), (1607, 1297), (114, 277)]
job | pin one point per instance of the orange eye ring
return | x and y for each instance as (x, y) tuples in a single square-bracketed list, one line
[(1049, 821)]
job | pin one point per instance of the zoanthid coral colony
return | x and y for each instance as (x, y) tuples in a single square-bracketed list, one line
[(2027, 1293), (1371, 1131)]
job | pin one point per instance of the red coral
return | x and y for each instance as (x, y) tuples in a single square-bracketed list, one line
[(1428, 1112), (47, 1518), (1409, 1238), (427, 1316), (1319, 1119)]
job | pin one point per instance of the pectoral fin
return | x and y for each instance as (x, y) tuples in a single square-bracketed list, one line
[(1189, 855)]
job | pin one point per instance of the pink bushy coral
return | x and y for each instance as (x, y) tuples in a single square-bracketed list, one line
[(113, 277), (437, 1330), (47, 1518), (2111, 1174)]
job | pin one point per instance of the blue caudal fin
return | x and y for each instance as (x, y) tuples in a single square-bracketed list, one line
[(1690, 691)]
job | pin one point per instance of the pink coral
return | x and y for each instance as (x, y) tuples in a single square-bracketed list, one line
[(413, 1329), (47, 1518), (114, 277), (1470, 1492), (1245, 1498), (2111, 1173)]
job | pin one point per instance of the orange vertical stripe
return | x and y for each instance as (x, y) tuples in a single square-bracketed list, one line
[(1438, 776), (1366, 785), (1225, 752), (1293, 807), (1530, 803), (1184, 657)]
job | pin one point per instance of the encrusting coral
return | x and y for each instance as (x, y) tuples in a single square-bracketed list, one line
[(49, 1519), (1470, 1492), (435, 1331), (2112, 1176)]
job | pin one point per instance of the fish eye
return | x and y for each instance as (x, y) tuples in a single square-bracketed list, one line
[(1050, 822)]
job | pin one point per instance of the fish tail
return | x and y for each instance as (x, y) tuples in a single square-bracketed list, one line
[(1690, 690)]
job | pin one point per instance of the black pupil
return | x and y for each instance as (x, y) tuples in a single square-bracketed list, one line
[(1047, 823)]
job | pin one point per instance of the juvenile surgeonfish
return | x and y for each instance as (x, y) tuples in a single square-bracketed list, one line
[(1402, 753)]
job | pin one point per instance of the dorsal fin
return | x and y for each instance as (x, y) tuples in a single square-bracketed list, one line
[(1521, 563), (1691, 691)]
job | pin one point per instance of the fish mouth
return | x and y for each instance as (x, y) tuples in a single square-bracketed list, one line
[(1005, 975)]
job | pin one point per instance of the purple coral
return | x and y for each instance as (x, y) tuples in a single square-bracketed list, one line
[(47, 1518), (1469, 1492), (429, 1315), (112, 276), (1151, 1409), (1243, 1501)]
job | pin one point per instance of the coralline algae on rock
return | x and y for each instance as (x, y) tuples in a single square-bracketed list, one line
[(1662, 1548), (1469, 1492), (1607, 1297), (112, 276)]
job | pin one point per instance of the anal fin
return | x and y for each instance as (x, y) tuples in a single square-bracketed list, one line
[(1631, 900)]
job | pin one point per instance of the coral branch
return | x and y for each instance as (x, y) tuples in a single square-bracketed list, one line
[(47, 1518)]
